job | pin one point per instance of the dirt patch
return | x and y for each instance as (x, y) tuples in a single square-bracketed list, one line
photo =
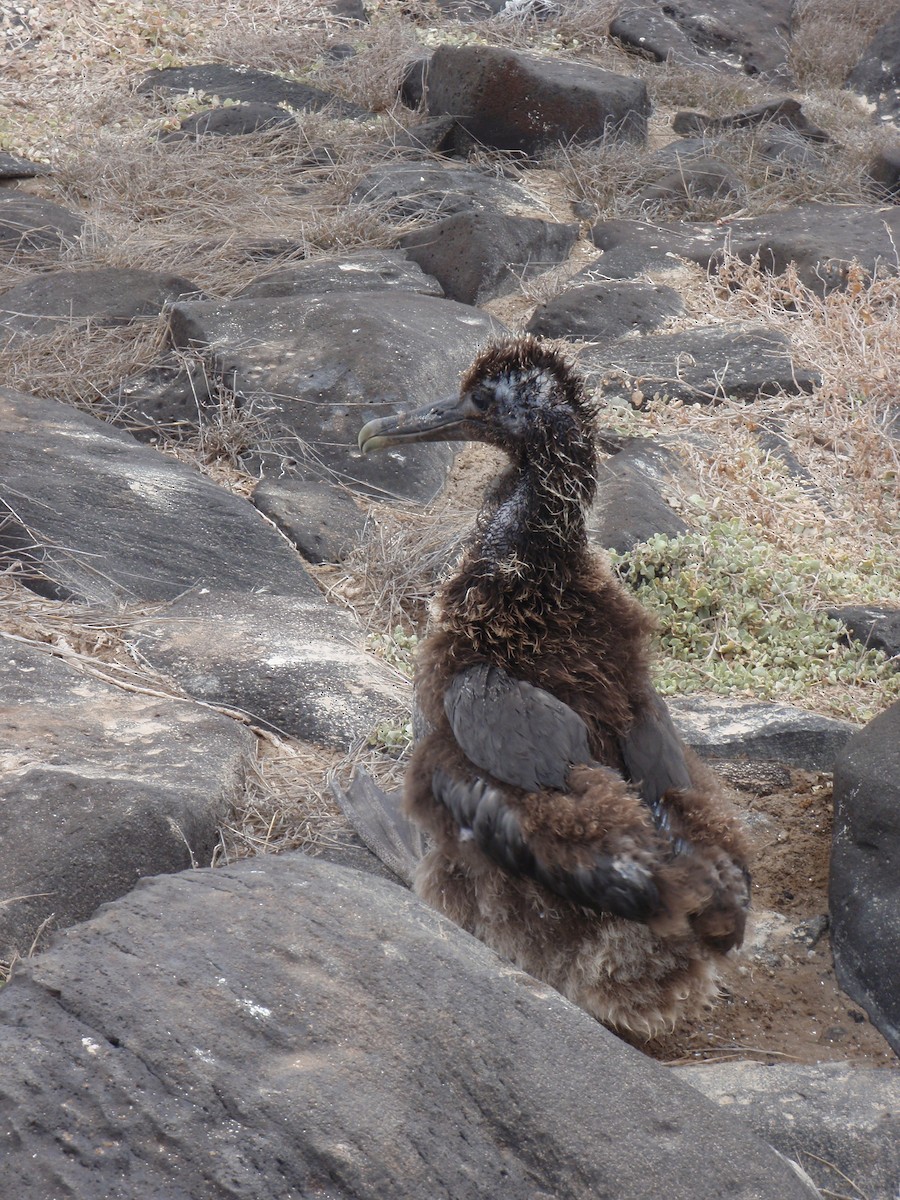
[(781, 1000)]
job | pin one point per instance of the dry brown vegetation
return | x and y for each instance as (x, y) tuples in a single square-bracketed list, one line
[(216, 212), (828, 39)]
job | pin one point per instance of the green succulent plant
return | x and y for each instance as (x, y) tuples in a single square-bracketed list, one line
[(736, 614), (397, 648)]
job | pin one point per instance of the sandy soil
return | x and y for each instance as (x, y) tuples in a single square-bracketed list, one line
[(781, 1001)]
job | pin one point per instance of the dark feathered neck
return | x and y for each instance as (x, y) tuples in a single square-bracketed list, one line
[(530, 540), (533, 522)]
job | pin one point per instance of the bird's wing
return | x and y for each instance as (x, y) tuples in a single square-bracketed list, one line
[(616, 880), (653, 755), (518, 733), (524, 736)]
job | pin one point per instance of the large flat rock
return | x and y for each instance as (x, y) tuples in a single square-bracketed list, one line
[(332, 361), (759, 731), (289, 1028), (99, 787), (438, 189), (292, 663), (603, 312), (101, 518), (52, 300), (207, 80), (839, 1120), (479, 255), (752, 37), (698, 366), (360, 270), (31, 223), (820, 239)]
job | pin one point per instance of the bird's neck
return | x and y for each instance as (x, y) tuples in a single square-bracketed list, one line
[(530, 543), (531, 525)]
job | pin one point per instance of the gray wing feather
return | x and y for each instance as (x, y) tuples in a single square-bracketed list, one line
[(519, 733), (653, 754), (609, 883), (379, 820)]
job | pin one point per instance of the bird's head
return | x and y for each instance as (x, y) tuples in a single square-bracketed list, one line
[(519, 395)]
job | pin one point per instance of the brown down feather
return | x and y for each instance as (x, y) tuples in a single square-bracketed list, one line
[(553, 614)]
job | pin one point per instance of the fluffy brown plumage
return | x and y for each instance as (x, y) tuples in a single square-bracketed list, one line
[(570, 829)]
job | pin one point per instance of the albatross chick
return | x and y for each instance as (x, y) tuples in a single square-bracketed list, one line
[(568, 826)]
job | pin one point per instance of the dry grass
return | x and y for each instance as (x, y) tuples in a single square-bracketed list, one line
[(576, 27), (372, 77), (679, 86), (214, 210), (841, 433), (609, 180), (81, 364), (395, 569), (287, 805), (77, 633), (230, 438), (828, 38)]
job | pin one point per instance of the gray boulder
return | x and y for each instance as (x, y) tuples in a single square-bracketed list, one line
[(96, 516), (30, 223), (329, 362), (104, 296), (876, 626), (404, 189), (790, 153), (292, 663), (820, 239), (877, 74), (434, 135), (101, 787), (13, 166), (695, 180), (166, 400), (479, 255), (605, 311), (234, 120), (840, 1121), (884, 170), (786, 112), (518, 102), (290, 1028), (245, 84), (745, 729), (752, 37), (650, 32), (630, 506), (320, 519), (360, 270), (698, 366), (864, 885), (349, 10)]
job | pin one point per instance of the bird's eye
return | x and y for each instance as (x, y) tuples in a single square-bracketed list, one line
[(481, 398)]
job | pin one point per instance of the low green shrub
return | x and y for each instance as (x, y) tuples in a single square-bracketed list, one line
[(739, 615)]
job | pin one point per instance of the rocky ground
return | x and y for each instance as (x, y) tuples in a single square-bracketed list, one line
[(230, 235)]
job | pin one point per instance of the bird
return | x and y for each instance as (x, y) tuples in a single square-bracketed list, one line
[(566, 824)]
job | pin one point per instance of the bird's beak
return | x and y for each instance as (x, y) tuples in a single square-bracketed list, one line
[(452, 420)]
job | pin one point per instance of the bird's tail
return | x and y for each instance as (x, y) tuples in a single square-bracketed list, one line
[(378, 818)]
